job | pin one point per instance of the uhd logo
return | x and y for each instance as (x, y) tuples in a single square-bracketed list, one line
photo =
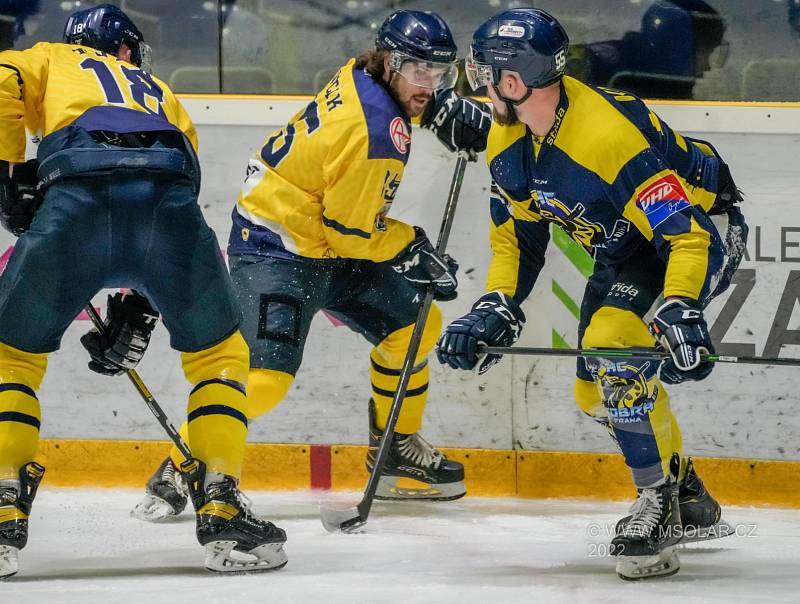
[(662, 198)]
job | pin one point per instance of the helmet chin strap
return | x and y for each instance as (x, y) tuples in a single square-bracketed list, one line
[(510, 103)]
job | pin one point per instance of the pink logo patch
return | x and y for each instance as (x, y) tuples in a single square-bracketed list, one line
[(400, 135)]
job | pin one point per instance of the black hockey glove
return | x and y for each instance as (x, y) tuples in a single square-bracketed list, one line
[(495, 320), (420, 264), (460, 123), (728, 194), (130, 321), (19, 199), (680, 328)]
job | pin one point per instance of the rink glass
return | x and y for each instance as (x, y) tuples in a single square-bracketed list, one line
[(295, 46)]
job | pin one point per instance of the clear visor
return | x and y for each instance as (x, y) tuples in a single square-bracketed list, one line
[(146, 53), (478, 74), (436, 76)]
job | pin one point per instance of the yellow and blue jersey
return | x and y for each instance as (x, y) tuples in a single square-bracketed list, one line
[(613, 175), (52, 85), (321, 186)]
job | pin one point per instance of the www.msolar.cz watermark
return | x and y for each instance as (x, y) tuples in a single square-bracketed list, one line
[(685, 533)]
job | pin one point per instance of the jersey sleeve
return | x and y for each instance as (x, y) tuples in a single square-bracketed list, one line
[(518, 238), (358, 193), (179, 117), (655, 199), (23, 77), (694, 161)]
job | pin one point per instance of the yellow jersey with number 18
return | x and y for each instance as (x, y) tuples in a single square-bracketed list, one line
[(53, 85), (321, 186)]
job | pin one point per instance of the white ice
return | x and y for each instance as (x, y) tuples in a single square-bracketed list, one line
[(85, 548)]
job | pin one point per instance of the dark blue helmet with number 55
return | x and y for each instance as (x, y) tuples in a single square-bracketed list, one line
[(528, 41), (421, 48), (106, 27)]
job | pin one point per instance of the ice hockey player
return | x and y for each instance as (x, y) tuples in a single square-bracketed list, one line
[(118, 179), (311, 232), (638, 196)]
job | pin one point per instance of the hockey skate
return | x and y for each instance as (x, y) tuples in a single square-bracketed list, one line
[(700, 513), (414, 469), (165, 496), (236, 540), (16, 499), (645, 544)]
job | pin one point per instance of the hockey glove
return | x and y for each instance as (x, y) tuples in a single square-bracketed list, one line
[(19, 199), (460, 123), (420, 264), (130, 321), (495, 320), (680, 328), (728, 194)]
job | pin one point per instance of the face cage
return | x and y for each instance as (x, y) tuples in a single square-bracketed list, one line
[(424, 74), (478, 74)]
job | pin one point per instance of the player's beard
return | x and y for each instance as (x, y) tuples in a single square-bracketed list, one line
[(416, 105), (509, 118), (413, 103)]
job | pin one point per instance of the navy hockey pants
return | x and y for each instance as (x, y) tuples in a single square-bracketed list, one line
[(128, 228)]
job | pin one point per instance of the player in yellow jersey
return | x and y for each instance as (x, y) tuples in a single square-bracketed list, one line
[(640, 198), (118, 179), (311, 231)]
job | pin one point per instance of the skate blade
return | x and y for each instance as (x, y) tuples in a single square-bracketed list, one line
[(222, 558), (398, 488), (9, 562), (635, 568), (696, 534), (153, 509)]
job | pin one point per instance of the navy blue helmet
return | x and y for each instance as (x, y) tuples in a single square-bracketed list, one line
[(421, 48), (528, 41), (105, 27), (422, 35)]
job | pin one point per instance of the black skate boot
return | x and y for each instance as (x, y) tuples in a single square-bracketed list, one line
[(236, 540), (645, 544), (15, 507), (701, 515), (165, 496), (414, 469)]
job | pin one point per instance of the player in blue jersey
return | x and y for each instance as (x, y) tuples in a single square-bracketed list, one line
[(116, 206), (640, 198)]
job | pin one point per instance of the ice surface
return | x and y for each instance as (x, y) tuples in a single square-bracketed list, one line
[(85, 548)]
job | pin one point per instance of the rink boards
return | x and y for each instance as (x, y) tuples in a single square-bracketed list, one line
[(522, 410)]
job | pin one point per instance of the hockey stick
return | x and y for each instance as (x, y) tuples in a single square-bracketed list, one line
[(630, 353), (148, 397), (351, 519)]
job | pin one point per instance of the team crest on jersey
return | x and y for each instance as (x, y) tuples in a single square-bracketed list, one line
[(587, 233), (662, 199), (398, 132)]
